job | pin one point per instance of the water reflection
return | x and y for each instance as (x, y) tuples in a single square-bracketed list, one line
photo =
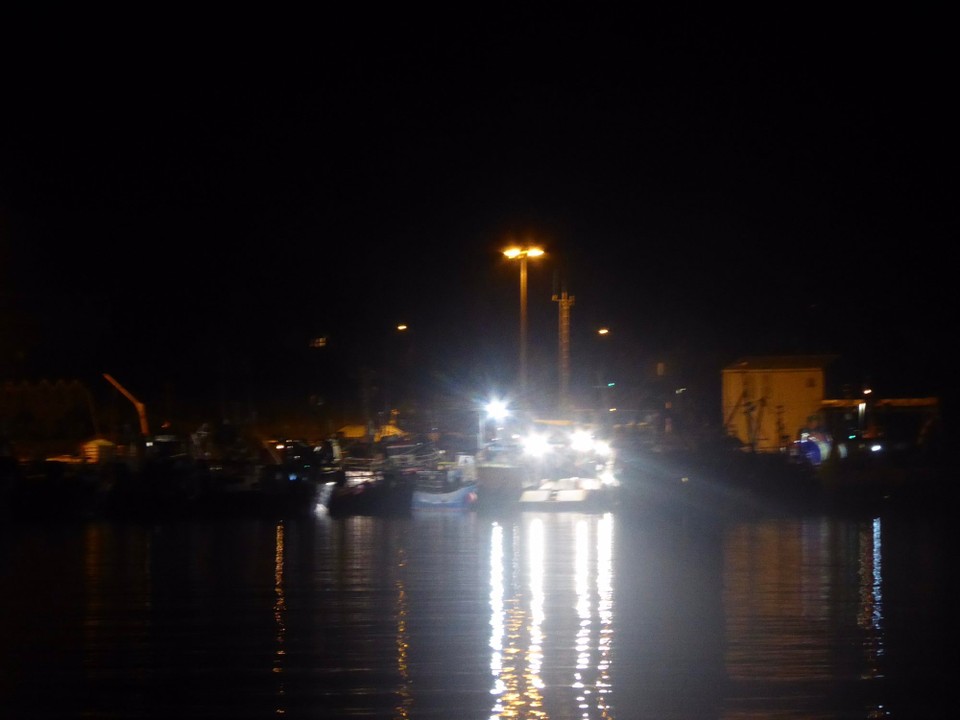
[(871, 589), (551, 603), (279, 611), (804, 601), (537, 615), (366, 608), (401, 611)]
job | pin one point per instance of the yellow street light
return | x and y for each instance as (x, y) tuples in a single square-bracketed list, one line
[(521, 254)]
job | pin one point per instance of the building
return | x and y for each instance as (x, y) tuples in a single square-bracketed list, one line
[(767, 401)]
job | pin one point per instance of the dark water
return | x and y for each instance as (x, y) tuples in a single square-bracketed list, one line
[(448, 615)]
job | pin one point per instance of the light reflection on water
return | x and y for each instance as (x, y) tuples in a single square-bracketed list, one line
[(803, 604), (572, 554), (535, 615)]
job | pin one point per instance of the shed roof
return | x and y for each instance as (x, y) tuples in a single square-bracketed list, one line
[(781, 362)]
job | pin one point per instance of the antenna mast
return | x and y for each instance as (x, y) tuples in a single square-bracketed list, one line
[(565, 303)]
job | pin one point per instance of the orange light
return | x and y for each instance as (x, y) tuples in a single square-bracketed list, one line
[(515, 252)]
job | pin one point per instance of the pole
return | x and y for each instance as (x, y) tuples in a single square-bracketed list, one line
[(521, 254), (565, 303), (523, 328)]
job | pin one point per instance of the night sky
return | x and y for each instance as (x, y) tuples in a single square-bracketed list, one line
[(184, 205)]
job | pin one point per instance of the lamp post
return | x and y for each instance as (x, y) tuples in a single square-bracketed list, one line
[(521, 254), (603, 369)]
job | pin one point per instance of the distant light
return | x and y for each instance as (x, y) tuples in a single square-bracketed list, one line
[(603, 331), (611, 384), (867, 391), (401, 327), (320, 341)]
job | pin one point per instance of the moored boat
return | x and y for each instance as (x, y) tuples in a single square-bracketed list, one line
[(571, 493), (566, 467), (378, 478), (382, 492), (453, 486), (503, 473)]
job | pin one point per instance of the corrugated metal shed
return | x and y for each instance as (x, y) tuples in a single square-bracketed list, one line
[(768, 399)]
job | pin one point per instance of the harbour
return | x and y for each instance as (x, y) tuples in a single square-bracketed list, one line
[(541, 366)]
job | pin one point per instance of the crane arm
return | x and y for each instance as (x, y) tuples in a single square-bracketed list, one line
[(141, 408)]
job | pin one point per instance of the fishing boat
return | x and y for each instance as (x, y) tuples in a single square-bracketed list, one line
[(562, 467), (380, 492), (576, 473), (589, 494), (452, 486), (503, 473), (378, 478)]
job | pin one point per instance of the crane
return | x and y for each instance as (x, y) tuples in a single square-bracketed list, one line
[(141, 408)]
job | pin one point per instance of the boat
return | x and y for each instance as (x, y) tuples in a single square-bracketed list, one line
[(452, 486), (588, 494), (566, 467), (378, 478), (503, 473), (380, 492), (576, 472), (180, 477), (62, 486)]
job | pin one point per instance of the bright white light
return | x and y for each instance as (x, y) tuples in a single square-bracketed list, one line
[(602, 447), (536, 445), (497, 409), (581, 441), (608, 478)]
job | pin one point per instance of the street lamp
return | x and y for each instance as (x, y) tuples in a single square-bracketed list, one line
[(521, 254)]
